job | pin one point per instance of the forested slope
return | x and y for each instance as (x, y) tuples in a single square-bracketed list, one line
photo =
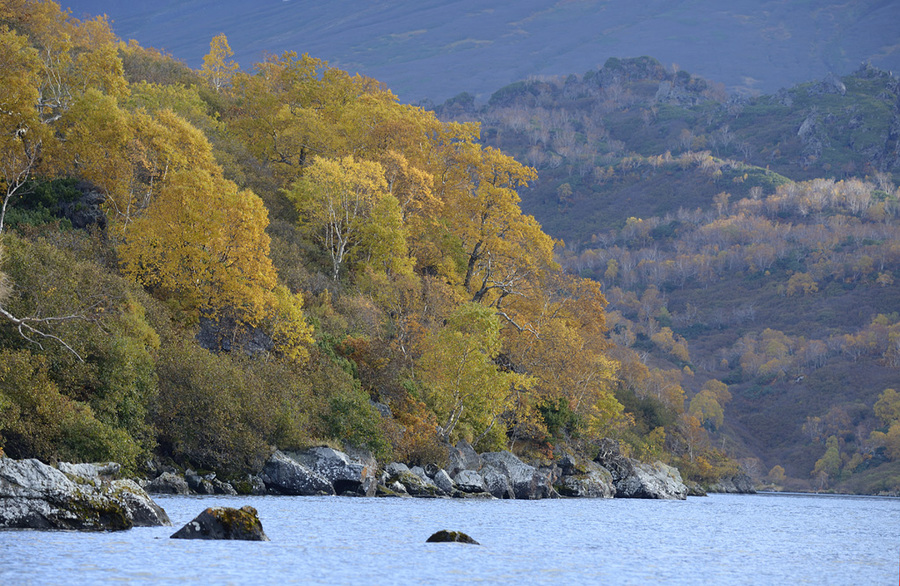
[(201, 265), (751, 242)]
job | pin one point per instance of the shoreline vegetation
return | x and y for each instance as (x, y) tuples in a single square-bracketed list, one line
[(214, 270)]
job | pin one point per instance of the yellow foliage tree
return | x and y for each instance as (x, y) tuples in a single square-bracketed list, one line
[(336, 200), (463, 385), (218, 68), (203, 242)]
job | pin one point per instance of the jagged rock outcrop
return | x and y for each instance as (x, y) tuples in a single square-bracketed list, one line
[(284, 475), (634, 479), (737, 484), (224, 523), (462, 457), (831, 84), (652, 481), (346, 475), (585, 480), (526, 481), (34, 495)]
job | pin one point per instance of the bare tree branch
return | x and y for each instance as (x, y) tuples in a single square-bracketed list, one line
[(24, 324)]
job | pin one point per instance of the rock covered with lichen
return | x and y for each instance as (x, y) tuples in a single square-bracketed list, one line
[(445, 536), (224, 523), (86, 497)]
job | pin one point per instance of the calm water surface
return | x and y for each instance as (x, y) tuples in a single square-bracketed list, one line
[(721, 539)]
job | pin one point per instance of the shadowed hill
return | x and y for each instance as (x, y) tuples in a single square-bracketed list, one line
[(431, 49)]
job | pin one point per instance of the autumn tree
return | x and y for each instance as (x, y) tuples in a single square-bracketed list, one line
[(21, 131), (706, 408), (337, 199), (203, 241), (828, 466), (463, 385), (218, 68)]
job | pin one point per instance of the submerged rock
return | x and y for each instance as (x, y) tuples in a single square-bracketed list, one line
[(34, 495), (224, 523), (451, 537)]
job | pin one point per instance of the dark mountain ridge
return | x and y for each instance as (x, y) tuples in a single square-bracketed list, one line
[(435, 49)]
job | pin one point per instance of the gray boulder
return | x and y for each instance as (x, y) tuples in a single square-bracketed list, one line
[(634, 479), (346, 475), (462, 457), (200, 484), (611, 458), (34, 495), (413, 485), (652, 481), (469, 481), (497, 484), (168, 483), (526, 481), (443, 481), (590, 480), (224, 523), (284, 475), (395, 468)]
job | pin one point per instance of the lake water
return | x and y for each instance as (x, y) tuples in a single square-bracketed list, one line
[(721, 539)]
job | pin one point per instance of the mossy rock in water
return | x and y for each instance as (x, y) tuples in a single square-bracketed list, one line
[(444, 536), (224, 523)]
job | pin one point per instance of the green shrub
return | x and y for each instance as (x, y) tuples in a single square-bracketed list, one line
[(351, 417), (37, 421)]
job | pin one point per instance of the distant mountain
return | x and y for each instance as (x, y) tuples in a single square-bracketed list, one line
[(431, 49)]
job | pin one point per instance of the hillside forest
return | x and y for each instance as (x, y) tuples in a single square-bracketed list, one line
[(752, 242), (202, 265)]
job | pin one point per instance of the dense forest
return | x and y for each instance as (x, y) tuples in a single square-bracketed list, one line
[(752, 242), (201, 265)]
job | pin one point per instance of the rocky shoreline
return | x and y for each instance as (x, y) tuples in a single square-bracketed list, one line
[(491, 475), (90, 497)]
